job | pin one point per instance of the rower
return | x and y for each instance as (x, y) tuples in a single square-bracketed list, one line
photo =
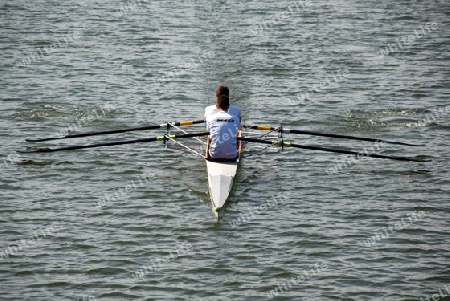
[(223, 128), (233, 110)]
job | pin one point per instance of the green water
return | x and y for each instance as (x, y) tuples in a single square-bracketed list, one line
[(373, 230)]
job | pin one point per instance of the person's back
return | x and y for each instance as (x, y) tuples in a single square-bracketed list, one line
[(223, 128), (233, 110)]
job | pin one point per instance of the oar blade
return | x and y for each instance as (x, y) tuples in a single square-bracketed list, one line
[(44, 139), (39, 150), (403, 143)]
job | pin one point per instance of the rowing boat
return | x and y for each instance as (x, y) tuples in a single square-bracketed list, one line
[(221, 173)]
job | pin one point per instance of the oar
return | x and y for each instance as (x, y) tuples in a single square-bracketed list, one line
[(340, 151), (269, 128), (142, 128), (159, 138)]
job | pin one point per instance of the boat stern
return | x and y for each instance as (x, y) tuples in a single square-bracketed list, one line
[(220, 182)]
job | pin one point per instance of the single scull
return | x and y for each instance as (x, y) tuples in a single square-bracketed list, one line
[(221, 174)]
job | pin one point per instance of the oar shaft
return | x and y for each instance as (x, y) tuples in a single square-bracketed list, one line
[(340, 151), (346, 137), (183, 123), (361, 154), (312, 133), (118, 131), (75, 147), (274, 142), (142, 128), (261, 127)]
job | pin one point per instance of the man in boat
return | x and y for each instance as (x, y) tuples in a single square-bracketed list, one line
[(223, 128), (233, 110)]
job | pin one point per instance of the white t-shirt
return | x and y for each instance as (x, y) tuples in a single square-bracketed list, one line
[(233, 110), (223, 128)]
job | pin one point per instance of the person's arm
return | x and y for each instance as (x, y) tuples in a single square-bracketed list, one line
[(207, 113), (208, 123)]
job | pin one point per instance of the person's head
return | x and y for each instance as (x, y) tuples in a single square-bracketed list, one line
[(223, 102), (222, 90)]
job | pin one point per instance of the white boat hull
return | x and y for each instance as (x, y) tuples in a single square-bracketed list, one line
[(220, 179), (220, 182)]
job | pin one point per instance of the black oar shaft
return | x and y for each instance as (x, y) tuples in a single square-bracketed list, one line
[(361, 154), (347, 137), (118, 131), (75, 147), (143, 128), (312, 133), (340, 151)]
